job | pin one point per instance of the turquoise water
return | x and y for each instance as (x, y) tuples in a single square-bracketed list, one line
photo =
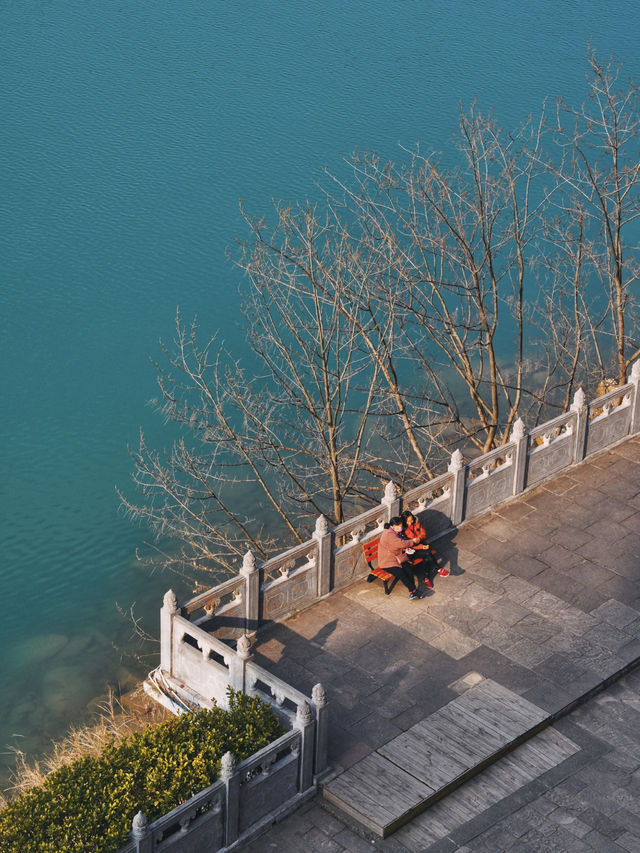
[(128, 134)]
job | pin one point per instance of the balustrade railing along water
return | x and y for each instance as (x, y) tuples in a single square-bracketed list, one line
[(205, 644), (332, 558)]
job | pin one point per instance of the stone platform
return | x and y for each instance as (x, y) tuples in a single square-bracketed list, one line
[(544, 603)]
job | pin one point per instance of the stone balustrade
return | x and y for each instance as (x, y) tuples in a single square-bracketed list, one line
[(213, 651), (332, 558), (253, 793)]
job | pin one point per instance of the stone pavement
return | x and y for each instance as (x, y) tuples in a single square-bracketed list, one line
[(543, 599)]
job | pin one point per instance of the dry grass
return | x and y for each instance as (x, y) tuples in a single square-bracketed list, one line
[(117, 717)]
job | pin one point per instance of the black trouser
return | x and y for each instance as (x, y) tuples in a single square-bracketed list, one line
[(404, 573), (425, 566)]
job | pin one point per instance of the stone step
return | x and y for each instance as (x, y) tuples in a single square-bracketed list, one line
[(420, 766)]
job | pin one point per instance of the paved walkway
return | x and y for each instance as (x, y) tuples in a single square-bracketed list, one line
[(544, 600)]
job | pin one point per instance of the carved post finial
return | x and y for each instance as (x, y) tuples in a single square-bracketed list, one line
[(170, 602), (390, 492), (244, 646), (227, 766), (248, 563), (322, 526), (578, 401), (139, 827), (319, 696), (303, 714), (635, 371), (457, 460), (517, 432)]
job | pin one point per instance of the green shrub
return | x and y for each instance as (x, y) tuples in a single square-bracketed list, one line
[(88, 806)]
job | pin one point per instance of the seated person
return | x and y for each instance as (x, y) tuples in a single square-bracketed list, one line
[(415, 533), (392, 555)]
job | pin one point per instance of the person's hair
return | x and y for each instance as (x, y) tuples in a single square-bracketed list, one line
[(393, 521), (406, 514)]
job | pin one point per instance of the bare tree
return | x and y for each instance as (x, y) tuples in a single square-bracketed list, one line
[(416, 308), (287, 436), (598, 198), (321, 390), (455, 247), (295, 257)]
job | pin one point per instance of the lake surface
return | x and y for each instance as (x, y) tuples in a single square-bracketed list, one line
[(128, 134)]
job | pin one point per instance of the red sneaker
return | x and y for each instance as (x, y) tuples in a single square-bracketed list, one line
[(428, 583), (444, 573)]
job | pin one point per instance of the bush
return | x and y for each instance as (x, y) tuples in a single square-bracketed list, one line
[(88, 806)]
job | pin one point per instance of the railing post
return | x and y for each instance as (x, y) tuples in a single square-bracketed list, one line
[(140, 834), (459, 471), (239, 662), (635, 401), (167, 612), (319, 697), (582, 419), (304, 722), (323, 537), (251, 595), (391, 500), (231, 780), (520, 440)]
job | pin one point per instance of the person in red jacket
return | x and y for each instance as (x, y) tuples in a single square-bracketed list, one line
[(415, 533), (392, 555)]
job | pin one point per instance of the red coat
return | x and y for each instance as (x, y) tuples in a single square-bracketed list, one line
[(416, 531), (391, 549)]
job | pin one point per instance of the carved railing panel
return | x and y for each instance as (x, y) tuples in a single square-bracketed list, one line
[(198, 823), (348, 565), (551, 448), (431, 503), (289, 581), (348, 562), (609, 420), (268, 779), (289, 594), (489, 480)]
